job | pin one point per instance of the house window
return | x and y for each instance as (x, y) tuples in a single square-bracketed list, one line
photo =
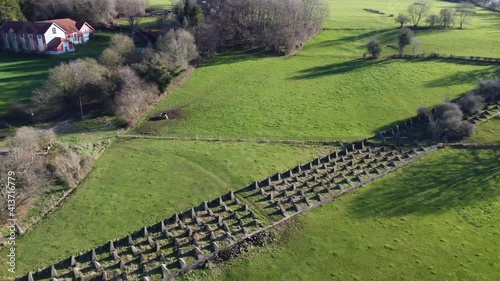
[(54, 30), (86, 31), (75, 37)]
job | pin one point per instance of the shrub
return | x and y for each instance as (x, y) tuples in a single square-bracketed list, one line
[(471, 103), (69, 166), (374, 48), (404, 39), (134, 97), (489, 89), (121, 51), (448, 125), (424, 113), (70, 84)]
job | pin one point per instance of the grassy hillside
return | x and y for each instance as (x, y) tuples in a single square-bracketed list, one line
[(140, 182), (435, 220), (488, 133), (20, 74), (326, 91), (401, 226)]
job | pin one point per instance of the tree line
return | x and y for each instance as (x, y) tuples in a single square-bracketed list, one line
[(122, 82), (446, 122), (446, 18), (94, 11)]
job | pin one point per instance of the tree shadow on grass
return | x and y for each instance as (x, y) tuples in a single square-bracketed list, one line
[(450, 181), (336, 68), (464, 77), (236, 56), (383, 35)]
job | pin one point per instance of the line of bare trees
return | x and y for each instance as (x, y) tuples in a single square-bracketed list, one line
[(447, 18), (281, 26), (446, 121), (85, 10)]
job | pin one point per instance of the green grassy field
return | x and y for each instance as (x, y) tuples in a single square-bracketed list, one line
[(488, 133), (326, 91), (140, 182), (399, 226), (21, 74), (434, 220)]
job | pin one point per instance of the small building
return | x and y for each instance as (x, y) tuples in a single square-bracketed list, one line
[(52, 37), (76, 32)]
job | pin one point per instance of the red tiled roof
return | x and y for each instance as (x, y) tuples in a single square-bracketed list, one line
[(26, 27), (68, 24)]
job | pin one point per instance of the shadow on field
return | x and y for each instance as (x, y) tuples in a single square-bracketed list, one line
[(336, 68), (463, 77), (383, 35), (235, 56), (452, 180)]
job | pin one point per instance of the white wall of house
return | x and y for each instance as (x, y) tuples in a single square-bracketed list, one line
[(41, 46), (6, 40), (86, 31), (54, 32), (74, 38), (23, 42), (31, 42), (14, 41)]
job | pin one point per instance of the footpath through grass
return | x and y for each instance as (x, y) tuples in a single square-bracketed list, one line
[(140, 182), (434, 220)]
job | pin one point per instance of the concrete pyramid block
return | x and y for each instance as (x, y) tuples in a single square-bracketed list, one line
[(75, 271), (72, 261), (53, 272), (164, 271), (93, 255), (111, 247), (115, 256), (151, 242), (182, 263), (134, 250), (97, 265)]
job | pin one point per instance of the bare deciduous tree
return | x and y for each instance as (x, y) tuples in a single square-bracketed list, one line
[(418, 11), (373, 47), (432, 20), (132, 10), (446, 17), (134, 97), (26, 157), (71, 85), (415, 44), (178, 47), (402, 19), (404, 39), (464, 12)]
